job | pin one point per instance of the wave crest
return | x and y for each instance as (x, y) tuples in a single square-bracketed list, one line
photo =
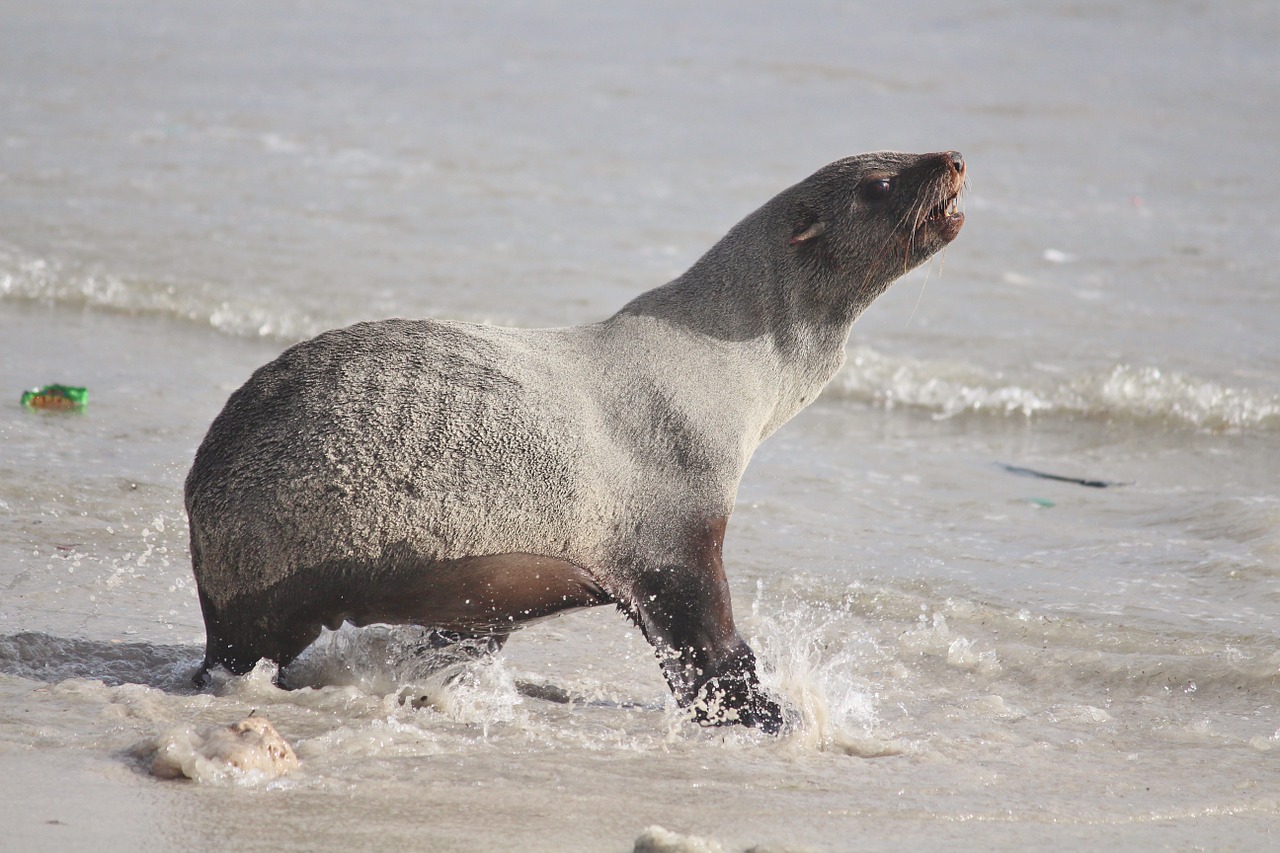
[(41, 281), (945, 388), (1122, 392)]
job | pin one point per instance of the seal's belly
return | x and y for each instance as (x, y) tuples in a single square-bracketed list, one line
[(488, 594)]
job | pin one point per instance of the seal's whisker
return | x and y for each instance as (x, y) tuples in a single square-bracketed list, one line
[(913, 219), (920, 296)]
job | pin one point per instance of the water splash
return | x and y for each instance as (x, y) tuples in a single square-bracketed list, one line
[(812, 655), (462, 682)]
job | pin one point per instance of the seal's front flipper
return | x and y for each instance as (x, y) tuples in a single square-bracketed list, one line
[(733, 696), (685, 613)]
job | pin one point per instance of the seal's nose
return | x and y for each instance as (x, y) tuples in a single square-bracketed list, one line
[(957, 162)]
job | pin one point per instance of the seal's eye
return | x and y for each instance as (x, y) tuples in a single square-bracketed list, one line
[(877, 189)]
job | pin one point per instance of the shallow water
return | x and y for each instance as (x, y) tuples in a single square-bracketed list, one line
[(977, 659)]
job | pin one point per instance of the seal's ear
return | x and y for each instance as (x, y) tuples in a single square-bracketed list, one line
[(809, 233)]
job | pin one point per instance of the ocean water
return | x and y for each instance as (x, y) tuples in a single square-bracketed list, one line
[(979, 659)]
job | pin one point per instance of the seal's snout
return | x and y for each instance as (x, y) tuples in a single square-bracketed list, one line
[(938, 217)]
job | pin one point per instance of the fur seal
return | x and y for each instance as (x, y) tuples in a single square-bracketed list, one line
[(472, 478)]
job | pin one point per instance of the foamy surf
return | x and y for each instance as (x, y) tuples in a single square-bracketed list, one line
[(252, 315), (1122, 392), (248, 752), (943, 388), (51, 282)]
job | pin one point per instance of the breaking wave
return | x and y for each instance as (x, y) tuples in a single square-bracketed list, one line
[(1121, 392), (51, 283), (944, 388), (264, 315)]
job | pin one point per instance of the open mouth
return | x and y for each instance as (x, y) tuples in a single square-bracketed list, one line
[(948, 208)]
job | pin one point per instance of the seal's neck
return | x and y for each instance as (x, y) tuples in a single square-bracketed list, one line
[(743, 313)]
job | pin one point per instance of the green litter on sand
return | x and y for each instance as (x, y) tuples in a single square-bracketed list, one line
[(56, 397), (1041, 503)]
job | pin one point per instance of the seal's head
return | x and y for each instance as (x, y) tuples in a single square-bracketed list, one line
[(863, 221)]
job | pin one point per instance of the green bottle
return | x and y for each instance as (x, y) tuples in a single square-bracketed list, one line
[(56, 397)]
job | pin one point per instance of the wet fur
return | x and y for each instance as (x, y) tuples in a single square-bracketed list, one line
[(474, 478)]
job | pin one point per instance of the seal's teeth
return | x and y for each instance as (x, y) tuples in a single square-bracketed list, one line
[(943, 209)]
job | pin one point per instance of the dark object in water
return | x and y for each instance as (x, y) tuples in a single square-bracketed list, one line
[(1079, 481)]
